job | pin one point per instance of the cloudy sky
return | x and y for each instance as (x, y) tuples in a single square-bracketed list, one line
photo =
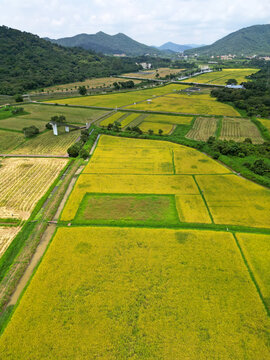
[(152, 22)]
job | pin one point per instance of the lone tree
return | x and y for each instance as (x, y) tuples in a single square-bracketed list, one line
[(18, 98), (82, 90), (160, 132), (59, 119), (150, 132)]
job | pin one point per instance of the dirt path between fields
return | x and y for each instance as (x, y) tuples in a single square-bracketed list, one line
[(41, 248)]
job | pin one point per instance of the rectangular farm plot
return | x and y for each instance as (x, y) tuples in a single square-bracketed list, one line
[(202, 104), (236, 201), (119, 293), (239, 130), (127, 209), (48, 144), (23, 182), (128, 119), (145, 126), (169, 119), (202, 129), (191, 161), (192, 209), (126, 184), (18, 123), (256, 249), (130, 161), (111, 119)]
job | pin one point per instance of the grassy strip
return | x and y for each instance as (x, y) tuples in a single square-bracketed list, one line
[(263, 130), (19, 241), (9, 221), (204, 200), (251, 274), (11, 130), (219, 127)]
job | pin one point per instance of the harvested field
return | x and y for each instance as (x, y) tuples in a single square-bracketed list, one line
[(256, 248), (151, 74), (236, 201), (118, 209), (166, 128), (129, 119), (191, 208), (239, 130), (23, 181), (121, 293), (220, 77), (48, 144), (202, 104), (202, 129), (88, 83), (9, 140), (7, 234)]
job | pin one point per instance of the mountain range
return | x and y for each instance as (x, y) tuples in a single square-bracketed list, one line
[(176, 47), (247, 41), (107, 44)]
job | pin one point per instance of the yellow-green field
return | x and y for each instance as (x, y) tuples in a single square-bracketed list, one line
[(120, 99), (116, 293), (169, 119), (220, 77), (191, 208), (256, 248), (266, 123), (145, 126), (202, 104), (239, 130), (48, 144), (9, 140), (236, 201), (111, 119)]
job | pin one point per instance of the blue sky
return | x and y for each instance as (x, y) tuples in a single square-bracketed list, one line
[(152, 22)]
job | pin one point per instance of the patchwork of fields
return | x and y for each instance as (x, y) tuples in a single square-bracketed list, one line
[(220, 77), (123, 280)]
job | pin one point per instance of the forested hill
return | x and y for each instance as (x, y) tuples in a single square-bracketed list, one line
[(29, 62), (108, 44), (248, 41)]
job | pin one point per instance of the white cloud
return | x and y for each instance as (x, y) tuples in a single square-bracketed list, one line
[(148, 21)]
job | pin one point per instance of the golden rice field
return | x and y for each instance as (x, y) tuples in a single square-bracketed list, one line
[(145, 126), (48, 144), (7, 234), (169, 119), (111, 119), (266, 123), (220, 77), (202, 104), (117, 100), (256, 248), (23, 181), (119, 293), (192, 209), (240, 129), (236, 201), (202, 129)]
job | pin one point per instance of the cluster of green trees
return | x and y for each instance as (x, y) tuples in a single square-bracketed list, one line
[(124, 84), (259, 152), (28, 62), (30, 131), (254, 98), (77, 149)]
